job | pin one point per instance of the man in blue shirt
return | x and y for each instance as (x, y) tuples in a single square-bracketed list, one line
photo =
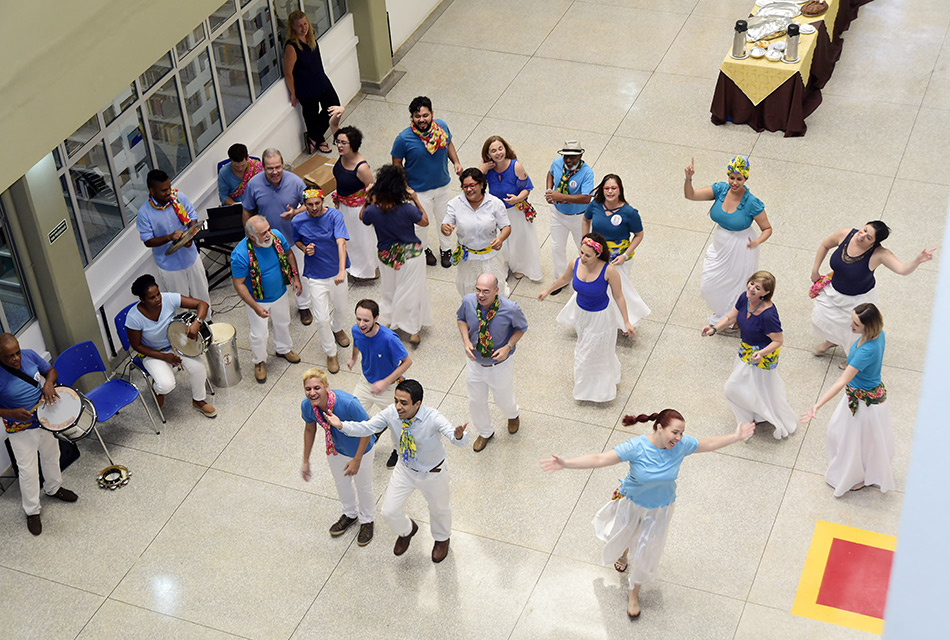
[(424, 149), (491, 326), (262, 266), (233, 176), (278, 196), (20, 393), (164, 217), (570, 182)]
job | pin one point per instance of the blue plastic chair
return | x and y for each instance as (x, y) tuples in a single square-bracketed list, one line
[(110, 396)]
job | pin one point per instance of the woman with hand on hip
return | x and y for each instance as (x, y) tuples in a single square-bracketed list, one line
[(734, 253), (638, 515)]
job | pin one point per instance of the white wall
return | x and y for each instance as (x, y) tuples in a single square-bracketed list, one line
[(405, 16)]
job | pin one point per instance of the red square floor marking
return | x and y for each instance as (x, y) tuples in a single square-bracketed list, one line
[(856, 578)]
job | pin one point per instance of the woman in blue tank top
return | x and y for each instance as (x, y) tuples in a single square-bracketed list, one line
[(857, 253), (596, 316)]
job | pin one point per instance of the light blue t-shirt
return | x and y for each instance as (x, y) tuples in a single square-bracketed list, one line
[(740, 219), (581, 182), (227, 183), (381, 354), (651, 482), (269, 201), (347, 407), (424, 170), (867, 359), (271, 277), (323, 232), (19, 394), (155, 332), (155, 223)]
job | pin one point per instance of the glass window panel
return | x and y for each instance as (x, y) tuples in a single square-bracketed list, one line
[(57, 158), (339, 9), (167, 129), (282, 9), (72, 221), (82, 135), (156, 72), (319, 13), (16, 307), (129, 151), (200, 101), (232, 74), (98, 209), (221, 15), (187, 44), (119, 104), (261, 47), (244, 3)]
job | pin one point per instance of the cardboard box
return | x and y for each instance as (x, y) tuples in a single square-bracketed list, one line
[(318, 172)]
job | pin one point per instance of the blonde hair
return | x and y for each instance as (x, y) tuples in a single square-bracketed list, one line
[(318, 373), (292, 19), (509, 152), (767, 280)]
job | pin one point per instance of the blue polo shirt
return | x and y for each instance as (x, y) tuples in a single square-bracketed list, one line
[(347, 407), (510, 318), (227, 183), (424, 170), (323, 231), (265, 199), (380, 354), (581, 182), (155, 223), (19, 394), (271, 277)]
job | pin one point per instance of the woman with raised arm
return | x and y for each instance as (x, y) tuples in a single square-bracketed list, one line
[(354, 179), (639, 512)]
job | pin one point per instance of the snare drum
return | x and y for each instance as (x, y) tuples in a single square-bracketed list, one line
[(178, 335), (71, 418)]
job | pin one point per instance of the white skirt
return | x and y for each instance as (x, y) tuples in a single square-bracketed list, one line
[(521, 251), (726, 270), (596, 366), (467, 272), (361, 247), (831, 315), (622, 524), (637, 309), (405, 296), (860, 447), (758, 395)]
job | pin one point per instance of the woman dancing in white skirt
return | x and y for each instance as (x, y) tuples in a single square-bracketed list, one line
[(755, 390), (638, 515), (353, 179), (860, 441), (596, 317), (734, 254)]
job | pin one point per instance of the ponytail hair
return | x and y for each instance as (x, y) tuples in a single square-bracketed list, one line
[(661, 419)]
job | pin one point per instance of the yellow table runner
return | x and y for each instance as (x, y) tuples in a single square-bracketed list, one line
[(758, 77)]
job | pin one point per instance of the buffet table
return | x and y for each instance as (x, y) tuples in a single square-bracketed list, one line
[(777, 96)]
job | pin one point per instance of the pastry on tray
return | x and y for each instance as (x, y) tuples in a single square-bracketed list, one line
[(814, 8)]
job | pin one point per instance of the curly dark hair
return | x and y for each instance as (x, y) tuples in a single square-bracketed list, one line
[(142, 284), (390, 189), (353, 135)]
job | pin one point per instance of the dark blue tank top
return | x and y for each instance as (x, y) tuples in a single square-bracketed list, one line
[(347, 182), (310, 80), (852, 276), (591, 296)]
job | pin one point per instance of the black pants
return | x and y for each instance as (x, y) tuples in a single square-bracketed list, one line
[(315, 114)]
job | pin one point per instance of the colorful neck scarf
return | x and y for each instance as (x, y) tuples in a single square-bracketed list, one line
[(769, 361), (407, 444), (257, 285), (321, 419), (353, 200), (254, 167), (397, 255), (562, 186), (740, 165), (486, 345), (877, 395), (178, 207), (435, 138), (460, 253)]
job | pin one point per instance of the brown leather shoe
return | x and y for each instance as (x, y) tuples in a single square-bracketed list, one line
[(513, 424), (365, 534), (65, 495), (480, 442), (340, 526), (402, 542), (205, 408), (291, 357), (34, 524), (341, 338), (333, 364), (305, 317), (260, 372), (439, 550)]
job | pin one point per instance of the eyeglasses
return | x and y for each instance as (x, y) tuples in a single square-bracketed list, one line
[(340, 143), (469, 187)]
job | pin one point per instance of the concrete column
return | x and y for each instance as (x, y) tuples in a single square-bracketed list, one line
[(374, 50)]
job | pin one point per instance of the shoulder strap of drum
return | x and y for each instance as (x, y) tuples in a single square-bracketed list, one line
[(19, 374)]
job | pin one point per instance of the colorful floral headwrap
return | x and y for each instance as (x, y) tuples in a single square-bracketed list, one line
[(312, 193), (740, 165)]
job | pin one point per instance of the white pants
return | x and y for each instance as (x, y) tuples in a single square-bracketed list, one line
[(363, 481), (280, 316), (405, 296), (368, 399), (433, 203), (361, 247), (434, 488), (561, 226), (303, 300), (164, 376), (499, 379), (324, 293), (191, 282), (25, 444)]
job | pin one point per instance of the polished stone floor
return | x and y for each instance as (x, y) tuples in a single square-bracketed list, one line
[(217, 536)]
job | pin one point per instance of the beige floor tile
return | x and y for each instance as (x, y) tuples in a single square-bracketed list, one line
[(534, 95), (907, 326), (646, 36), (726, 9), (578, 600), (484, 584), (922, 159), (808, 500), (765, 622), (937, 95), (698, 51), (673, 6), (534, 20), (927, 17), (38, 608), (916, 213), (118, 619), (231, 529)]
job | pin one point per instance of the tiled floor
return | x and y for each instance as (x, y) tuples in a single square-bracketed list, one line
[(217, 536)]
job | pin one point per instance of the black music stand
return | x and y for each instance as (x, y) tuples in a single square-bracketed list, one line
[(224, 228)]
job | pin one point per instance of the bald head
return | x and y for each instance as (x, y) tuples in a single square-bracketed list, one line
[(486, 289), (9, 350)]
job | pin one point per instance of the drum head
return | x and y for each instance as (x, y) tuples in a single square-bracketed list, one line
[(61, 414), (178, 336), (221, 332)]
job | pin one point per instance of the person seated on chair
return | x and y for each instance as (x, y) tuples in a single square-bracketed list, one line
[(20, 393), (233, 175), (147, 328)]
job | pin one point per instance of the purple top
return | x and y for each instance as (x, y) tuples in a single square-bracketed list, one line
[(754, 330), (856, 277), (591, 296)]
